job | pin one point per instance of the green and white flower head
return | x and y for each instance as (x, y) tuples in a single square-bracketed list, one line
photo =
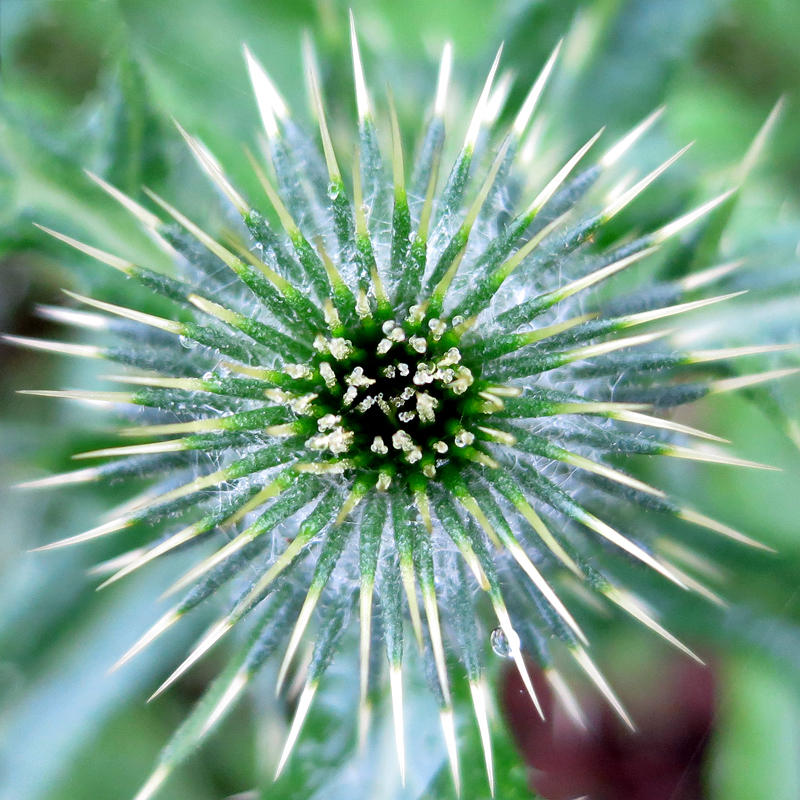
[(393, 393)]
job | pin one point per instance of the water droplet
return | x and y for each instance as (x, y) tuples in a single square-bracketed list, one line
[(188, 343), (333, 190), (500, 643)]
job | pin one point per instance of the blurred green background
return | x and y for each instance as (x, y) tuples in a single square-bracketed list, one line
[(92, 83)]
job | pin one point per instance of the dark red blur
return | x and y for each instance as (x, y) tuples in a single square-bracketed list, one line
[(673, 709)]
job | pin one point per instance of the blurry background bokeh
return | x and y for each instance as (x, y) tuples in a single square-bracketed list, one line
[(92, 83)]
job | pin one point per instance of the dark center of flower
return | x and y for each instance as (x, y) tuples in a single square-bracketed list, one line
[(390, 397)]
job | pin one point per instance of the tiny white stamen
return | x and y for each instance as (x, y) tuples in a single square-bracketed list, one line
[(429, 471), (384, 482), (302, 405), (379, 446), (462, 382), (278, 396), (450, 358), (415, 314), (340, 348), (413, 455), (320, 344), (331, 315), (357, 378), (362, 305), (418, 343), (440, 447), (397, 335), (390, 371), (328, 375), (328, 422), (384, 346), (406, 416), (437, 328), (366, 404), (350, 396), (426, 405), (298, 371), (388, 326), (402, 441), (464, 438), (340, 441), (403, 370)]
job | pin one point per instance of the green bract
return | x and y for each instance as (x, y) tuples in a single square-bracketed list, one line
[(402, 398)]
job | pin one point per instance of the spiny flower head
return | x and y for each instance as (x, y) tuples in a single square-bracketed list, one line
[(399, 400)]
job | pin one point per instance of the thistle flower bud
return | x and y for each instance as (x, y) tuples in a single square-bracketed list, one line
[(408, 397)]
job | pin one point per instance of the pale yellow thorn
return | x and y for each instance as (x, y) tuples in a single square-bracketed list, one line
[(498, 97), (603, 348), (521, 557), (62, 479), (670, 311), (516, 652), (398, 167), (694, 585), (656, 422), (607, 532), (63, 348), (478, 692), (556, 181), (213, 169), (319, 108), (471, 505), (270, 103), (365, 623), (173, 446), (613, 154), (760, 141), (698, 279), (288, 223), (513, 261), (149, 555), (362, 96), (718, 527), (437, 643), (167, 621), (173, 428), (553, 330), (677, 225), (615, 207), (83, 396), (612, 474), (303, 619), (189, 384), (303, 706), (72, 316), (206, 643), (396, 688), (601, 274), (637, 609), (480, 108), (702, 356), (235, 688), (449, 733), (153, 783), (566, 697), (445, 66), (535, 521), (589, 667), (113, 261), (714, 457), (231, 547), (531, 101), (743, 381), (147, 218), (168, 325), (102, 530), (410, 587)]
